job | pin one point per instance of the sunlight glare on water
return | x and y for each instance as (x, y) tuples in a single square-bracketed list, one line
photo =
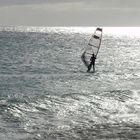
[(128, 31)]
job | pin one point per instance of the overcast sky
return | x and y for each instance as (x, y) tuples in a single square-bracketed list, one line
[(70, 12)]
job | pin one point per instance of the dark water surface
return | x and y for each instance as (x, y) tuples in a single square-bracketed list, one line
[(45, 92)]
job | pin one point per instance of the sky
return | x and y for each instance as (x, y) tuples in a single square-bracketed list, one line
[(105, 13)]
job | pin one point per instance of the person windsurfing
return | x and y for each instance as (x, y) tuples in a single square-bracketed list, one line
[(92, 63)]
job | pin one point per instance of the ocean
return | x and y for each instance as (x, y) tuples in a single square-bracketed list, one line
[(46, 93)]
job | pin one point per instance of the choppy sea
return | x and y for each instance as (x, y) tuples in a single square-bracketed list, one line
[(46, 93)]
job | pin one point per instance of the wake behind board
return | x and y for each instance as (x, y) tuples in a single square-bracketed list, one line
[(92, 47)]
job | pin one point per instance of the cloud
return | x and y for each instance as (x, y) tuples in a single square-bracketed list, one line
[(29, 2), (70, 12), (95, 3), (67, 14)]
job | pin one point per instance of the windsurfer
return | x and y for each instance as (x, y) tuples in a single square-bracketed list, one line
[(92, 63)]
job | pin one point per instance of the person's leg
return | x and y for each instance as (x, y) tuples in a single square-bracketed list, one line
[(94, 67), (89, 67)]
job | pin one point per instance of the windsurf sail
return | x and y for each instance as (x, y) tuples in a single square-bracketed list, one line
[(92, 47)]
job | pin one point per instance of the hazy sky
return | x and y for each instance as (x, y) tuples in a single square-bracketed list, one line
[(70, 12)]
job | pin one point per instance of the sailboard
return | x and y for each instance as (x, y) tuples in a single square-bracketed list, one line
[(92, 47)]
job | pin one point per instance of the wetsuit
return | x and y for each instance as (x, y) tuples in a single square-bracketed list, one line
[(92, 63)]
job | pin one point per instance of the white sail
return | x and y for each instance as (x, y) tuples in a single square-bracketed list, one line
[(93, 46)]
